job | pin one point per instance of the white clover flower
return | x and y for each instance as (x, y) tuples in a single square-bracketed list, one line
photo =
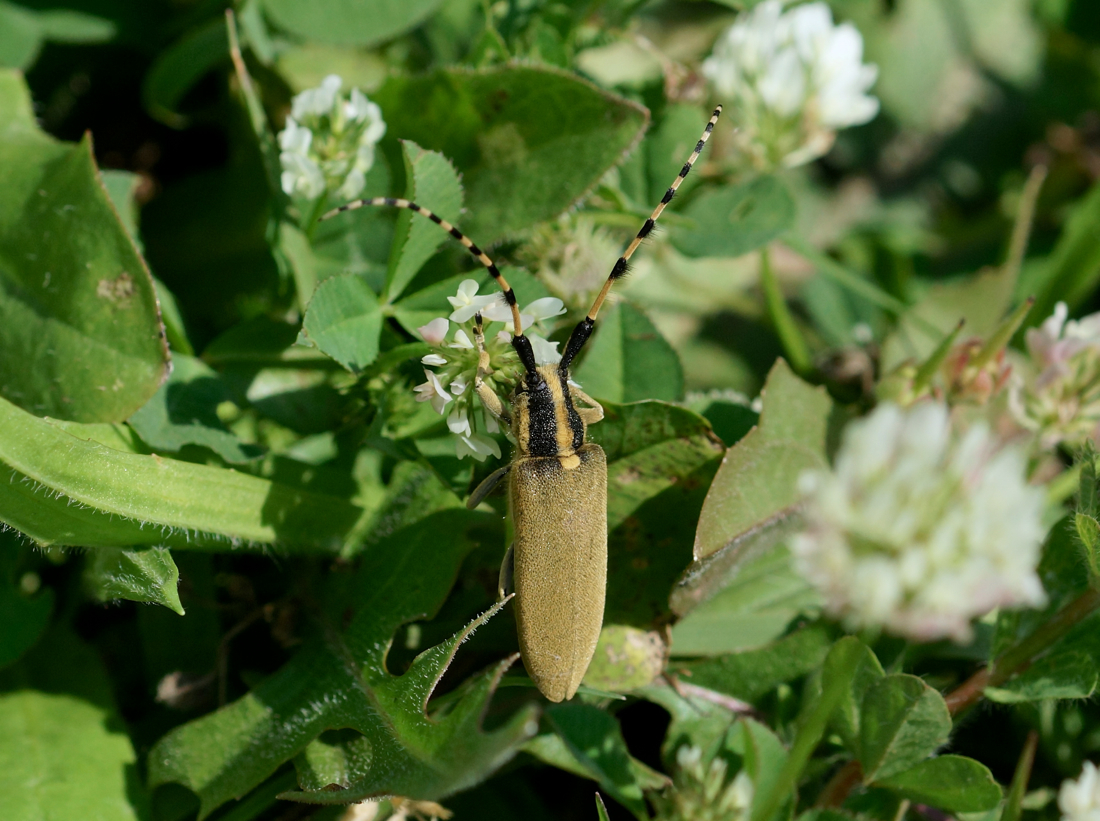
[(1079, 799), (920, 529), (457, 361), (701, 790), (1061, 401), (433, 391), (792, 80), (328, 142), (466, 302)]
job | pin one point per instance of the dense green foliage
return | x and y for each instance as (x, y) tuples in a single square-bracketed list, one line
[(237, 576)]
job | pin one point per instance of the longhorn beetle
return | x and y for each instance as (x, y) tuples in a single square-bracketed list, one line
[(557, 482)]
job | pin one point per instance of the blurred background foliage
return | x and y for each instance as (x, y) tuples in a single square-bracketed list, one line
[(878, 248)]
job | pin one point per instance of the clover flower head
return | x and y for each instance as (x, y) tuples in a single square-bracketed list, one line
[(1060, 401), (328, 142), (920, 528), (1079, 798), (702, 790), (570, 256), (454, 358), (793, 79)]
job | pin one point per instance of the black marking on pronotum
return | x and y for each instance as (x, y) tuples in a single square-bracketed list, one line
[(542, 417)]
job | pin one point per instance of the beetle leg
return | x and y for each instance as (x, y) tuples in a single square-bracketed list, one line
[(486, 487), (507, 568), (593, 413), (489, 400)]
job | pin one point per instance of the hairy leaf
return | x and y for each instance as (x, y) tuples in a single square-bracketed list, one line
[(338, 681), (60, 488), (349, 22), (147, 575)]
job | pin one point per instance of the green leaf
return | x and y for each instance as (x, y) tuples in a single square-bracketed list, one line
[(1072, 271), (432, 183), (344, 320), (950, 782), (61, 488), (660, 458), (752, 505), (764, 754), (181, 65), (595, 741), (80, 332), (349, 22), (24, 617), (529, 141), (147, 575), (184, 412), (902, 722), (752, 673), (735, 219), (1066, 672), (629, 360), (754, 608), (64, 753), (339, 680), (850, 656)]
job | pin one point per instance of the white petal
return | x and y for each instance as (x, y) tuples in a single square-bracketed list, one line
[(435, 331), (545, 308), (457, 423), (546, 353), (433, 359), (462, 341)]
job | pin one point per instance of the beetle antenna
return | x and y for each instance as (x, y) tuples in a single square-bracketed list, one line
[(468, 244), (584, 328)]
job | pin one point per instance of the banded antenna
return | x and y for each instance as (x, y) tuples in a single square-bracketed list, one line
[(584, 328)]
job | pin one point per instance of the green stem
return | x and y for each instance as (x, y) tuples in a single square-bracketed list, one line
[(805, 742), (314, 216), (789, 336)]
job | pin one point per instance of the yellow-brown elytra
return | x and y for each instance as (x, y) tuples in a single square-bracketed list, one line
[(557, 481)]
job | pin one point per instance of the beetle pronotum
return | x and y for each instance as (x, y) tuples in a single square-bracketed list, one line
[(557, 481)]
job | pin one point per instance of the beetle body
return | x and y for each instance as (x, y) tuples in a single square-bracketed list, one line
[(560, 564)]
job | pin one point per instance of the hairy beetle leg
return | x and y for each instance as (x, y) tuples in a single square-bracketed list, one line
[(593, 413)]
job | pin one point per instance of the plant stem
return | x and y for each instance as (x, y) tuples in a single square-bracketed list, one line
[(789, 335), (1020, 656)]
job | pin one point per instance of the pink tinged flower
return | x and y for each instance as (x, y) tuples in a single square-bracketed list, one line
[(433, 391), (478, 446), (435, 331), (466, 302)]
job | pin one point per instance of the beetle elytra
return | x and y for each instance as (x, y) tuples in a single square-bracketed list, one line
[(556, 481)]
